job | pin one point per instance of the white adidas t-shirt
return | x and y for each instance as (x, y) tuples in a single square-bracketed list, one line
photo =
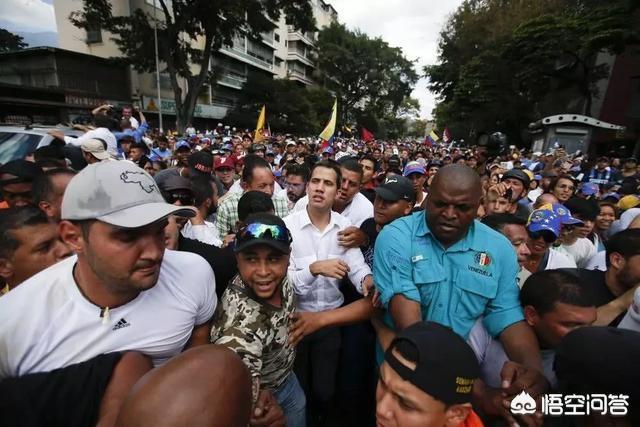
[(48, 324)]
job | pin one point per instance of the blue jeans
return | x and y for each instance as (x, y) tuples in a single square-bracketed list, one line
[(291, 399)]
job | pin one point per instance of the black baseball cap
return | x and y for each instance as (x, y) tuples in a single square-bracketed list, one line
[(446, 367), (396, 187), (22, 171), (518, 174), (264, 229), (201, 161)]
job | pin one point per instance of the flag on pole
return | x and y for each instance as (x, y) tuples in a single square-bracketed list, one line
[(446, 135), (367, 136), (260, 132), (327, 134), (431, 139)]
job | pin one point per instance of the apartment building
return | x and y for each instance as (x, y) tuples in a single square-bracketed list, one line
[(282, 53)]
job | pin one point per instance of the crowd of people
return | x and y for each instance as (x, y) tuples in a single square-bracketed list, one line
[(213, 279)]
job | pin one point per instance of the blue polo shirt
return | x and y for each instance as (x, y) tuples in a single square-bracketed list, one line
[(474, 277)]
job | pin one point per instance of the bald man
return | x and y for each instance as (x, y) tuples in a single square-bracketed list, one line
[(442, 265), (204, 386)]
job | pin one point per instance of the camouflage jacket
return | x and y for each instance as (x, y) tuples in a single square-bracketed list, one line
[(257, 331)]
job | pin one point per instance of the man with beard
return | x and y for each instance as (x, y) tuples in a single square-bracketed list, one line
[(435, 265), (619, 280), (296, 182), (98, 306)]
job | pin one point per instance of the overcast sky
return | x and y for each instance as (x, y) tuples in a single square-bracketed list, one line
[(413, 25)]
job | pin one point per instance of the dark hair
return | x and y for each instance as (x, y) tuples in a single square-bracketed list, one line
[(625, 242), (13, 219), (612, 205), (299, 170), (251, 163), (370, 158), (253, 202), (105, 121), (329, 164), (352, 165), (586, 210), (544, 289), (554, 181), (499, 220), (50, 152), (43, 184), (201, 188)]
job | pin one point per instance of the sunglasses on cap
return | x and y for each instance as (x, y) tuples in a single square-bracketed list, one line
[(548, 236), (256, 230), (185, 199)]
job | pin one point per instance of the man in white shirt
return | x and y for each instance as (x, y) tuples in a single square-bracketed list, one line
[(86, 311), (318, 264), (349, 202)]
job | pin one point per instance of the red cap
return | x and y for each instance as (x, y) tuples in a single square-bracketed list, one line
[(225, 162)]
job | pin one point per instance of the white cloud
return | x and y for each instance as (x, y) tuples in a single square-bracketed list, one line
[(27, 15), (413, 25)]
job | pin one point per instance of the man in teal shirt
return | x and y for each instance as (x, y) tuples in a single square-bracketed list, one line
[(441, 265)]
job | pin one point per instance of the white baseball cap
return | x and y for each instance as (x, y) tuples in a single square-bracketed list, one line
[(118, 193), (96, 148)]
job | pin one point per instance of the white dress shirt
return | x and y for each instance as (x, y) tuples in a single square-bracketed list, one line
[(319, 293), (205, 233), (357, 211)]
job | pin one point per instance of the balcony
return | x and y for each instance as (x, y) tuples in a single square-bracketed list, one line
[(232, 81), (295, 35), (297, 56), (298, 76), (247, 58)]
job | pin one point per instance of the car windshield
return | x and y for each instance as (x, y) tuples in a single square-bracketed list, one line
[(17, 145)]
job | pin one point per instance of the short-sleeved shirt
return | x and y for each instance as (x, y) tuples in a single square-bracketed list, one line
[(227, 216), (258, 332), (474, 277)]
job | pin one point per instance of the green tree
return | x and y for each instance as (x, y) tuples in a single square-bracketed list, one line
[(505, 63), (364, 73), (291, 108), (189, 31), (10, 41)]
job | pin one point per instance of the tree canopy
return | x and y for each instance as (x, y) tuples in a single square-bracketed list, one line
[(189, 31), (505, 63), (366, 75), (10, 41)]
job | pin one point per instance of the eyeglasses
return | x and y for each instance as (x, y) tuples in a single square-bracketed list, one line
[(546, 235), (257, 230), (185, 199)]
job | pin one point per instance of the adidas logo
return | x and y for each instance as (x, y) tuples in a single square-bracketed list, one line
[(121, 324)]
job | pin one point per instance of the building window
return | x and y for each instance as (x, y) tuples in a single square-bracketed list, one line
[(277, 37), (94, 32)]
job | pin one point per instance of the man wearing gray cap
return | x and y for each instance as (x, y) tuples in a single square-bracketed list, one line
[(121, 292)]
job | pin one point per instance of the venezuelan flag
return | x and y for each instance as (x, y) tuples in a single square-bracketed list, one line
[(327, 134)]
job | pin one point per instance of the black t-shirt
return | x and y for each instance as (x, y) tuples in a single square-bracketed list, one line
[(593, 282), (222, 260), (370, 229)]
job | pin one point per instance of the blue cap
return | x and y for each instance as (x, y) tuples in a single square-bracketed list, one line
[(590, 188), (228, 147), (328, 150), (544, 219), (182, 143), (537, 177), (154, 157), (414, 167), (565, 215)]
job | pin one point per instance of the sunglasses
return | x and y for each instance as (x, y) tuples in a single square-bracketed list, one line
[(185, 199), (257, 230), (546, 235)]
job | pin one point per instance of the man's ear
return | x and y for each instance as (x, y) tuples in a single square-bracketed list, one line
[(616, 260), (531, 315), (45, 207), (244, 185), (456, 415), (6, 269), (71, 235)]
